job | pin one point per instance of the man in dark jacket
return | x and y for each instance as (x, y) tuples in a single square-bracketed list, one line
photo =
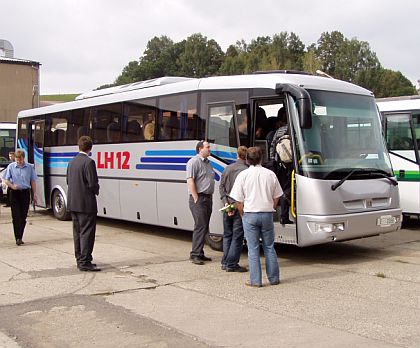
[(83, 187), (233, 232)]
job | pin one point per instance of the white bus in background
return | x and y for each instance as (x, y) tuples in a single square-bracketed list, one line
[(144, 133), (401, 124), (7, 144)]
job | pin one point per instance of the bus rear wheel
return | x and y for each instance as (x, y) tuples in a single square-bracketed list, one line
[(215, 242), (59, 206)]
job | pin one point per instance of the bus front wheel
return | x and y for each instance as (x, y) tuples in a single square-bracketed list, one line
[(59, 206), (215, 242)]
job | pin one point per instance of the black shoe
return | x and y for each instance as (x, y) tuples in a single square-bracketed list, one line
[(19, 242), (88, 265), (89, 268), (196, 260), (286, 222), (204, 258), (237, 269)]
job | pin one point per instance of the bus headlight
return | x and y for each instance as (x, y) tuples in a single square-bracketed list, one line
[(329, 227)]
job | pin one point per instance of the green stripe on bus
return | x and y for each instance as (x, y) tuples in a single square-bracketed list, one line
[(408, 175)]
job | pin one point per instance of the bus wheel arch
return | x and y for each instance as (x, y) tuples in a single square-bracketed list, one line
[(59, 205), (215, 242)]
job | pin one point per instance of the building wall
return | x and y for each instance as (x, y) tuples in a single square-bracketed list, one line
[(19, 89)]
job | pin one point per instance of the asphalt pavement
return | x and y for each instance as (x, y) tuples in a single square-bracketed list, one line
[(362, 293)]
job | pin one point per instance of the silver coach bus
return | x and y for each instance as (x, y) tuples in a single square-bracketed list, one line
[(144, 133)]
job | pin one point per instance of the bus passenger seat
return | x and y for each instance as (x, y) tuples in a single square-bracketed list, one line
[(134, 132), (60, 135), (113, 132), (82, 130)]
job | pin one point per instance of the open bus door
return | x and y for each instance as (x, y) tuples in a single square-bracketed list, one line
[(36, 157), (264, 120)]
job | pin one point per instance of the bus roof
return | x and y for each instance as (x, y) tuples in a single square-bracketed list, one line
[(7, 125), (405, 103), (168, 85)]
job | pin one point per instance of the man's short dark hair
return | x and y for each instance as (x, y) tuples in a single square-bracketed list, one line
[(199, 146), (254, 156), (85, 143)]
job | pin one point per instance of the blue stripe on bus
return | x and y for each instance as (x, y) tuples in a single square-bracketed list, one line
[(218, 167), (168, 167), (58, 165), (164, 159), (64, 160), (61, 154), (183, 153), (224, 154), (22, 145), (161, 167)]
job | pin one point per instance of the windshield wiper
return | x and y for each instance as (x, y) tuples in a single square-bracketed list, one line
[(368, 171)]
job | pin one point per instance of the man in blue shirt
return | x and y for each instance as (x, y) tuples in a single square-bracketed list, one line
[(20, 177)]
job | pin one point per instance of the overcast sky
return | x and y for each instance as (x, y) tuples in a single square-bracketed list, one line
[(83, 44)]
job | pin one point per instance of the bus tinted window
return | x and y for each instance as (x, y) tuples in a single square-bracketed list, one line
[(222, 125), (139, 121), (178, 119), (56, 129), (106, 123), (77, 125)]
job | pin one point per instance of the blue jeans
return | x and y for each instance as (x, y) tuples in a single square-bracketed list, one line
[(233, 240), (256, 226)]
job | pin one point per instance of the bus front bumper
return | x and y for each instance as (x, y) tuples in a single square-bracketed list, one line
[(314, 229)]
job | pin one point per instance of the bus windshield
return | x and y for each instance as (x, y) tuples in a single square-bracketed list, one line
[(345, 134)]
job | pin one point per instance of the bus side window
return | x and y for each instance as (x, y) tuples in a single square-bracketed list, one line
[(113, 132), (133, 131), (82, 130), (60, 137)]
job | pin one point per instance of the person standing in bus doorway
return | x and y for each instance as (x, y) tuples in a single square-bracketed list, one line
[(233, 232), (257, 191), (20, 178), (83, 187), (200, 181), (12, 159)]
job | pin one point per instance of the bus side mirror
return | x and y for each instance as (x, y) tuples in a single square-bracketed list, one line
[(303, 100)]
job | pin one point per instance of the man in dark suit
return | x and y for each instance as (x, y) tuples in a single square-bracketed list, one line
[(83, 187)]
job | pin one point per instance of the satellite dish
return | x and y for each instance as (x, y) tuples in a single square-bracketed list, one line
[(6, 49)]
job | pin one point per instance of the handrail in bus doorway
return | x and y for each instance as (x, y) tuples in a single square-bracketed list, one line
[(292, 194)]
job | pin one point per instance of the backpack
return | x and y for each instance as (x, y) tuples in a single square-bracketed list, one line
[(284, 149)]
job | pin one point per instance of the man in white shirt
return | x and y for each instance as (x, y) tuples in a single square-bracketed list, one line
[(257, 191)]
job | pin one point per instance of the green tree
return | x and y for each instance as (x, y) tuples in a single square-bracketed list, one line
[(311, 63), (385, 83), (200, 57), (129, 74)]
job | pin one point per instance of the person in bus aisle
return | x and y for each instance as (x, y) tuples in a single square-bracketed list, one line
[(284, 170), (233, 232), (256, 191), (149, 130), (260, 124), (83, 187), (12, 159), (200, 182), (20, 177)]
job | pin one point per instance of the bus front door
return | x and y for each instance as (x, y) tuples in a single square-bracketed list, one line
[(36, 156)]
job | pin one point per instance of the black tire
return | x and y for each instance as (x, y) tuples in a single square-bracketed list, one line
[(215, 242), (59, 206)]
